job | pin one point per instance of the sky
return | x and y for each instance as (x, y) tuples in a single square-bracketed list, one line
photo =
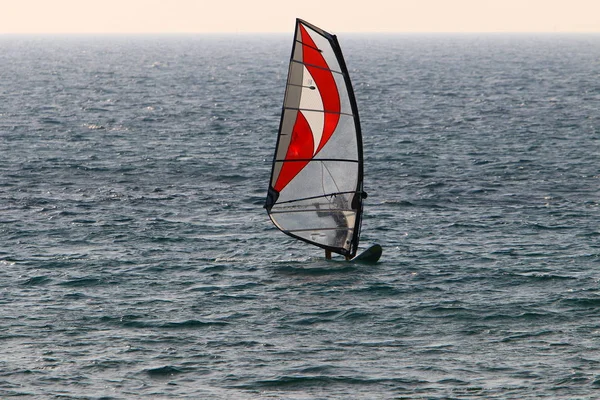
[(241, 16)]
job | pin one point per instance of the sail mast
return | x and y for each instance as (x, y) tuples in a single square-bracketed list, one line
[(360, 193)]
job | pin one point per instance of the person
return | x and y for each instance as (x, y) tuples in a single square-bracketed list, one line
[(338, 217), (328, 255)]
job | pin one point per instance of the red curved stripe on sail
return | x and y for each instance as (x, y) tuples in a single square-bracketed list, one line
[(302, 142), (301, 146), (325, 81)]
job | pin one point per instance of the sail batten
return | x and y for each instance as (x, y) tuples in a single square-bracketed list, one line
[(315, 197), (301, 211), (308, 45), (318, 66), (319, 111), (315, 192), (312, 230), (319, 159)]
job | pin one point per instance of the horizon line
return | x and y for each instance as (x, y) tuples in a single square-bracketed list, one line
[(249, 33)]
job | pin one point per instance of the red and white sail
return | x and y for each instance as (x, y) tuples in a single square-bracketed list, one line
[(315, 193)]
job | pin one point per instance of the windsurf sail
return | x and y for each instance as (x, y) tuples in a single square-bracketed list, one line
[(316, 188)]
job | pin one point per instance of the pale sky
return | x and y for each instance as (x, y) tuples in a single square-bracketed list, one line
[(202, 16)]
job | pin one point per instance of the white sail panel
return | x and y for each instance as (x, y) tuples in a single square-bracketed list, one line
[(326, 50), (311, 99)]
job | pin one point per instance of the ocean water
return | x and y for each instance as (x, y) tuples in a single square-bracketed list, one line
[(136, 260)]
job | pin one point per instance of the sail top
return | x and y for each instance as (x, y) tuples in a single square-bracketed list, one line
[(315, 192)]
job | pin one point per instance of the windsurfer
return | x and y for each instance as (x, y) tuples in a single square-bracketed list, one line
[(328, 255), (339, 218)]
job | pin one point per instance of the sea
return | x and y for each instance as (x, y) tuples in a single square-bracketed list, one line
[(137, 261)]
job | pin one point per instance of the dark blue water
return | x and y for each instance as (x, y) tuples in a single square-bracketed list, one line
[(137, 261)]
